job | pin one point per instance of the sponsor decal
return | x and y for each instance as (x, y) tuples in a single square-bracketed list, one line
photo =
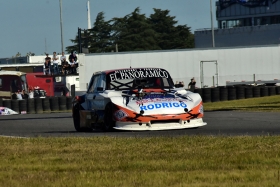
[(138, 73), (120, 114), (157, 100), (164, 105)]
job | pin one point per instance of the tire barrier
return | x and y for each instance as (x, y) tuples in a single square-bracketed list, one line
[(31, 106), (256, 91), (23, 106), (62, 103), (240, 92), (231, 93), (7, 103), (223, 93), (248, 92), (264, 91), (271, 90), (15, 105), (215, 94), (69, 103), (38, 105), (1, 102), (277, 90), (206, 95), (46, 105), (54, 103), (199, 91)]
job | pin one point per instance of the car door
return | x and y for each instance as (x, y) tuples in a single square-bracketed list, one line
[(94, 100)]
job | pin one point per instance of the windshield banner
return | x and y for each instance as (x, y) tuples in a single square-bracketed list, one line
[(138, 73)]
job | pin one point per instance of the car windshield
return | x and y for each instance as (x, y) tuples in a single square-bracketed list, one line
[(146, 78)]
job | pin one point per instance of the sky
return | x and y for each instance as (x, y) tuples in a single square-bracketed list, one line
[(34, 25)]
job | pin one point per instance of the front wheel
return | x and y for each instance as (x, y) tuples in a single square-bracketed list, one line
[(109, 123), (76, 120)]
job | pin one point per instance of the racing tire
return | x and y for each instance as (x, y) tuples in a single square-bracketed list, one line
[(109, 123), (76, 120)]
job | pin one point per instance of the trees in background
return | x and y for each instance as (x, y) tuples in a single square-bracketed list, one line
[(135, 32)]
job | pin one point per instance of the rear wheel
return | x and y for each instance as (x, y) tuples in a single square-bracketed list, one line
[(76, 120), (109, 123)]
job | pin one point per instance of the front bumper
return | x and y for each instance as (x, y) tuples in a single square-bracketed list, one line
[(136, 126)]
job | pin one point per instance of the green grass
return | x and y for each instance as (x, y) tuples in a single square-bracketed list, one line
[(264, 104), (196, 161), (155, 161)]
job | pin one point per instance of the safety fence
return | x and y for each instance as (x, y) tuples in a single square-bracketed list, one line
[(227, 93), (39, 105)]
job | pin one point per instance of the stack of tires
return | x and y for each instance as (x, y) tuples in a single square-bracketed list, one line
[(38, 105), (15, 105), (54, 104), (206, 95), (277, 90), (215, 94), (231, 93), (264, 91), (23, 106), (69, 103), (271, 90), (62, 103), (256, 91), (240, 92), (223, 93), (248, 92), (46, 105), (31, 106)]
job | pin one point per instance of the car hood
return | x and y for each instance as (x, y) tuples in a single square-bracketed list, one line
[(174, 102)]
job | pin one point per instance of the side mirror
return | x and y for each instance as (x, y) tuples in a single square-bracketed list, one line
[(100, 89)]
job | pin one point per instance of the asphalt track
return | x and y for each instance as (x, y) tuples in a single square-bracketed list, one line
[(225, 123)]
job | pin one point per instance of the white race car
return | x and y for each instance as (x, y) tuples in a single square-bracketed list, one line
[(6, 111), (136, 99)]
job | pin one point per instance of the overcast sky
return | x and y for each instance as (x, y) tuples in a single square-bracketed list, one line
[(34, 25)]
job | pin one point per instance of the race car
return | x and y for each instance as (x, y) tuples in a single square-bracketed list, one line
[(136, 99)]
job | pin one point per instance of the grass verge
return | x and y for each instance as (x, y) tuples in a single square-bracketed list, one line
[(157, 161), (264, 104)]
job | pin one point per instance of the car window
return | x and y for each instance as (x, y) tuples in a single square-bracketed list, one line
[(94, 83)]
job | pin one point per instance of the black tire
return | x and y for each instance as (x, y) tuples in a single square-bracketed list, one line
[(76, 120), (109, 123)]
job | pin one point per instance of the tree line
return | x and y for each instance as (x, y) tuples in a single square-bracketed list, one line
[(135, 32)]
